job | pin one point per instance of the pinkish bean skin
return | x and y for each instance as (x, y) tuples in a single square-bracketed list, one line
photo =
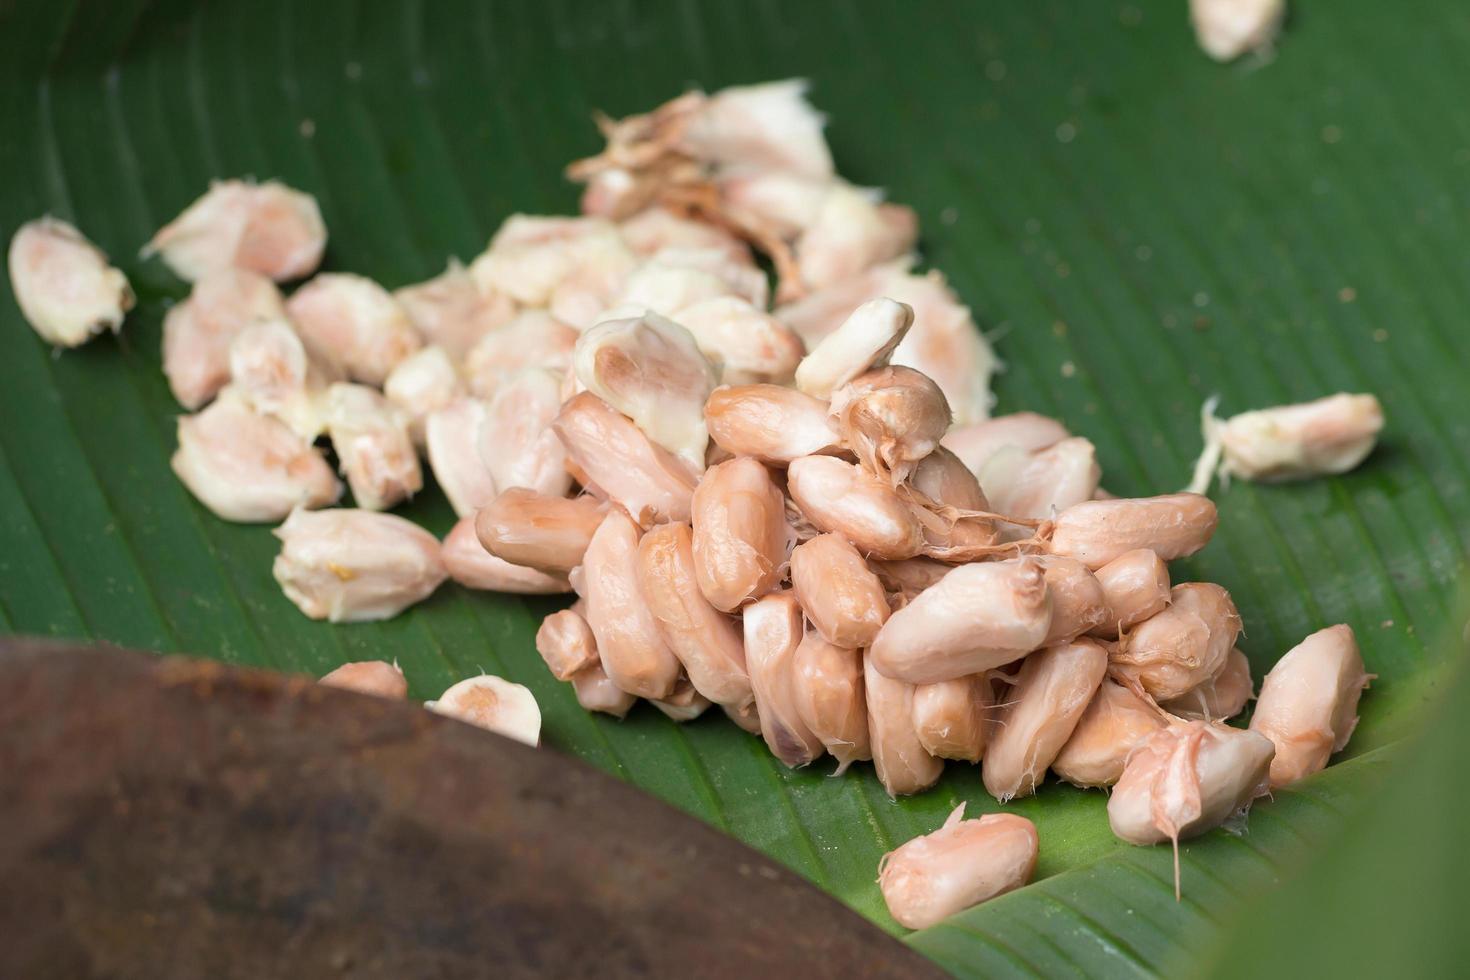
[(707, 642), (949, 717), (1115, 724), (773, 631), (978, 617), (891, 417), (841, 596), (828, 682), (1135, 586), (469, 564), (1095, 532), (771, 423), (566, 643), (1308, 706), (840, 497), (1078, 604), (537, 530), (614, 455), (963, 863), (1039, 715), (375, 677), (741, 538), (904, 765), (633, 652), (1183, 646)]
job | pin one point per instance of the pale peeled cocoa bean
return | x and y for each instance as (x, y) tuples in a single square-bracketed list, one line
[(351, 566), (748, 343), (865, 340), (632, 650), (272, 373), (539, 531), (198, 333), (1183, 646), (353, 325), (566, 643), (376, 454), (376, 677), (842, 498), (741, 538), (904, 766), (1222, 696), (841, 596), (1078, 603), (1044, 483), (850, 232), (452, 440), (828, 684), (453, 313), (707, 642), (773, 424), (1028, 432), (892, 418), (423, 383), (64, 285), (1308, 706), (1095, 532), (950, 716), (1135, 586), (977, 617), (773, 631), (649, 482), (1116, 723), (516, 441), (1227, 29), (963, 863), (494, 704), (469, 564), (1289, 442), (1039, 714), (268, 228)]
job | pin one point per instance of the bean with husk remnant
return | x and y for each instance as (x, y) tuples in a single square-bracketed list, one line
[(1115, 724), (1183, 646), (828, 686), (1095, 532), (1135, 586), (841, 497), (866, 339), (1222, 696), (891, 417), (773, 631)]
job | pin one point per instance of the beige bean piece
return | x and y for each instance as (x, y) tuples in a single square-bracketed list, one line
[(452, 313), (198, 332), (828, 687), (866, 339), (64, 285), (596, 692), (749, 344), (977, 617), (1135, 586), (351, 566), (767, 126), (376, 677), (977, 442), (650, 369), (1116, 723), (272, 373), (1041, 484), (841, 596), (950, 716), (1174, 525), (423, 383), (646, 480), (1186, 779), (353, 325), (533, 339), (531, 255), (1227, 29), (376, 454), (741, 538), (267, 228), (248, 467), (907, 577), (1039, 714), (773, 631), (960, 865), (785, 203), (1183, 646), (1222, 696), (566, 643), (707, 642), (904, 766), (469, 564), (684, 704), (891, 417), (632, 649), (773, 424), (516, 441), (840, 497), (1291, 442), (852, 231), (1078, 603), (676, 278), (1308, 706), (452, 438), (653, 229), (494, 704), (540, 531)]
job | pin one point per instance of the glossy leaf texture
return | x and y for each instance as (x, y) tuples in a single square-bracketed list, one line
[(1137, 227)]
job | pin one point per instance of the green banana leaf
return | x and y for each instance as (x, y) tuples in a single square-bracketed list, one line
[(1135, 226)]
